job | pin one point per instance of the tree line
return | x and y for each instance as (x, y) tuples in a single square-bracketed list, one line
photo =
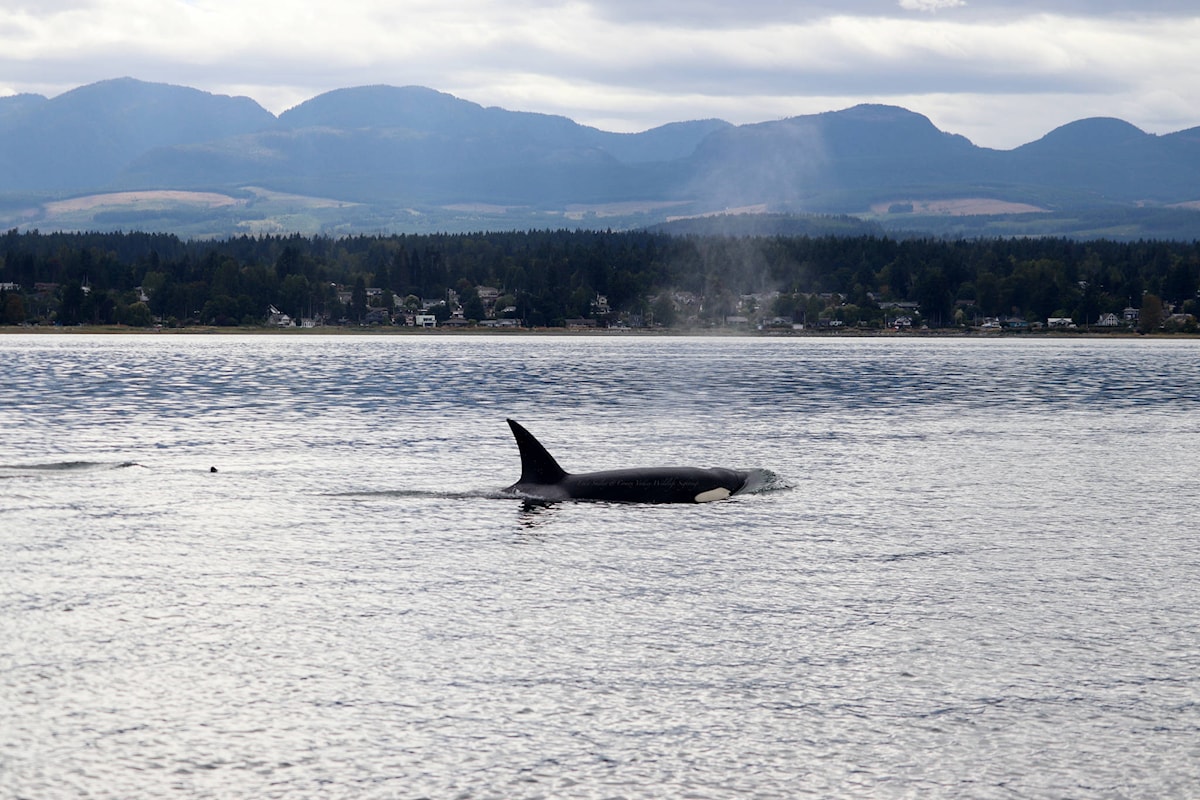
[(547, 277)]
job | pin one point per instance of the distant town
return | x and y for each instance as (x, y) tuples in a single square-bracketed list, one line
[(586, 280)]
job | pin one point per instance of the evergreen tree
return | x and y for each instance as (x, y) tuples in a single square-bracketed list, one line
[(358, 299)]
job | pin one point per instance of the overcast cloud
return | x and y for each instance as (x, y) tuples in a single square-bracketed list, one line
[(1001, 72)]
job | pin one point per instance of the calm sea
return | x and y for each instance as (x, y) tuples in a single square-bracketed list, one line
[(975, 574)]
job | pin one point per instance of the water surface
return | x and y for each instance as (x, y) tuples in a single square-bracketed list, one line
[(975, 575)]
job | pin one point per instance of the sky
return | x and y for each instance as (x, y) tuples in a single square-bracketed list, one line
[(1000, 72)]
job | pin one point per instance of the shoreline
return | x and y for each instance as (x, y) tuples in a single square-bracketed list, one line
[(332, 330)]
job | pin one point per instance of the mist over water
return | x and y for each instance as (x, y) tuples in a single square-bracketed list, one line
[(974, 575)]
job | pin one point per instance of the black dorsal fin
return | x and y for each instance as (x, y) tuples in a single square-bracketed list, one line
[(537, 465)]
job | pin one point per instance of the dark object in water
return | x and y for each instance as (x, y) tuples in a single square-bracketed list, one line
[(543, 479)]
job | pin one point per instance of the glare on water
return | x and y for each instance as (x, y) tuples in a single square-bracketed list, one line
[(973, 576)]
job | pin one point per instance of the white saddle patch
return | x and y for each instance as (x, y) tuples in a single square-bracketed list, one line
[(719, 493)]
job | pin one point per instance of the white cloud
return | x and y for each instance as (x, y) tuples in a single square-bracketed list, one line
[(930, 5)]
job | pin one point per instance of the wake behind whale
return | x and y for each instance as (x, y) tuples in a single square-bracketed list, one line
[(66, 466)]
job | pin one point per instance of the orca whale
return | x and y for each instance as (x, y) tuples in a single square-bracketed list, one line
[(543, 479)]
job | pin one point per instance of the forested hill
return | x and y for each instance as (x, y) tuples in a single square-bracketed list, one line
[(543, 278)]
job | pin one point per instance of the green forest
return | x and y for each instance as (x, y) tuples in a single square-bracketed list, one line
[(604, 278)]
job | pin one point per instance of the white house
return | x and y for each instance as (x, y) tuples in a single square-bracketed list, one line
[(277, 318)]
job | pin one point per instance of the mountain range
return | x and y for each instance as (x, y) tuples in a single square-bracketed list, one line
[(126, 153)]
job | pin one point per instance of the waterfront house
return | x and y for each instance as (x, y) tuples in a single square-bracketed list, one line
[(277, 319), (580, 323)]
